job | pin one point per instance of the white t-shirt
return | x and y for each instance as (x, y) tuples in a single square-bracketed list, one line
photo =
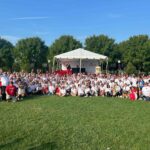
[(4, 81), (38, 88), (21, 91), (127, 81), (80, 91), (63, 91), (94, 88), (146, 91), (108, 90), (87, 90), (118, 88), (74, 90), (102, 88), (126, 89), (51, 89), (134, 82)]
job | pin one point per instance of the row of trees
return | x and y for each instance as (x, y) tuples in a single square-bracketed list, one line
[(32, 53)]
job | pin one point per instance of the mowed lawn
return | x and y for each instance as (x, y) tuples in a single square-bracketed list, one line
[(75, 123)]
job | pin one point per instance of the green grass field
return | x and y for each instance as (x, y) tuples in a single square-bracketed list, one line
[(75, 123)]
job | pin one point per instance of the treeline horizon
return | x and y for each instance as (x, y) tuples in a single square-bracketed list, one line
[(30, 53)]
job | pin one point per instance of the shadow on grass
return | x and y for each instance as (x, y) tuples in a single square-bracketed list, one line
[(11, 143), (45, 146), (32, 97)]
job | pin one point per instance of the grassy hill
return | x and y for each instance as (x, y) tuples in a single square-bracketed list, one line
[(75, 123)]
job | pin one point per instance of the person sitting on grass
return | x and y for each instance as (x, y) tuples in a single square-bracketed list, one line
[(146, 92), (102, 90), (11, 92), (21, 91), (87, 91), (51, 89), (94, 90), (108, 91), (57, 91), (80, 91), (133, 94), (63, 91), (74, 91), (31, 88), (68, 89), (118, 92), (45, 89), (39, 89), (126, 90)]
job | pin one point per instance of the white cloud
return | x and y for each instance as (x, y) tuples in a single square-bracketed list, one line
[(30, 18), (12, 39)]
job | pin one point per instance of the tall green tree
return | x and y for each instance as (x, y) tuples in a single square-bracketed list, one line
[(114, 57), (30, 53), (100, 44), (146, 55), (136, 50), (6, 54), (63, 44), (104, 45)]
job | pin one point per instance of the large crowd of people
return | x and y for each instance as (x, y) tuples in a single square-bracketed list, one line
[(15, 86)]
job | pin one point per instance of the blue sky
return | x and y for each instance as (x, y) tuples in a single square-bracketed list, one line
[(50, 19)]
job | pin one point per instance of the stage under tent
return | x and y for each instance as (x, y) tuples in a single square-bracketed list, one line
[(80, 60)]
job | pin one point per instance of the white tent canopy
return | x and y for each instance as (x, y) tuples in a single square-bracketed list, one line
[(81, 54), (81, 57)]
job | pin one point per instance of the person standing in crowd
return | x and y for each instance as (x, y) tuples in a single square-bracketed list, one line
[(4, 82), (68, 66)]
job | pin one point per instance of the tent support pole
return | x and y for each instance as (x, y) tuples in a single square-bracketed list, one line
[(80, 64)]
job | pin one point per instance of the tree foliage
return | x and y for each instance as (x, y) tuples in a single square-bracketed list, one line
[(136, 50), (130, 68), (63, 44), (6, 54), (100, 44), (30, 53), (104, 45)]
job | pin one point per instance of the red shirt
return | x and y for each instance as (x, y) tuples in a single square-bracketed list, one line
[(11, 90), (57, 90)]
